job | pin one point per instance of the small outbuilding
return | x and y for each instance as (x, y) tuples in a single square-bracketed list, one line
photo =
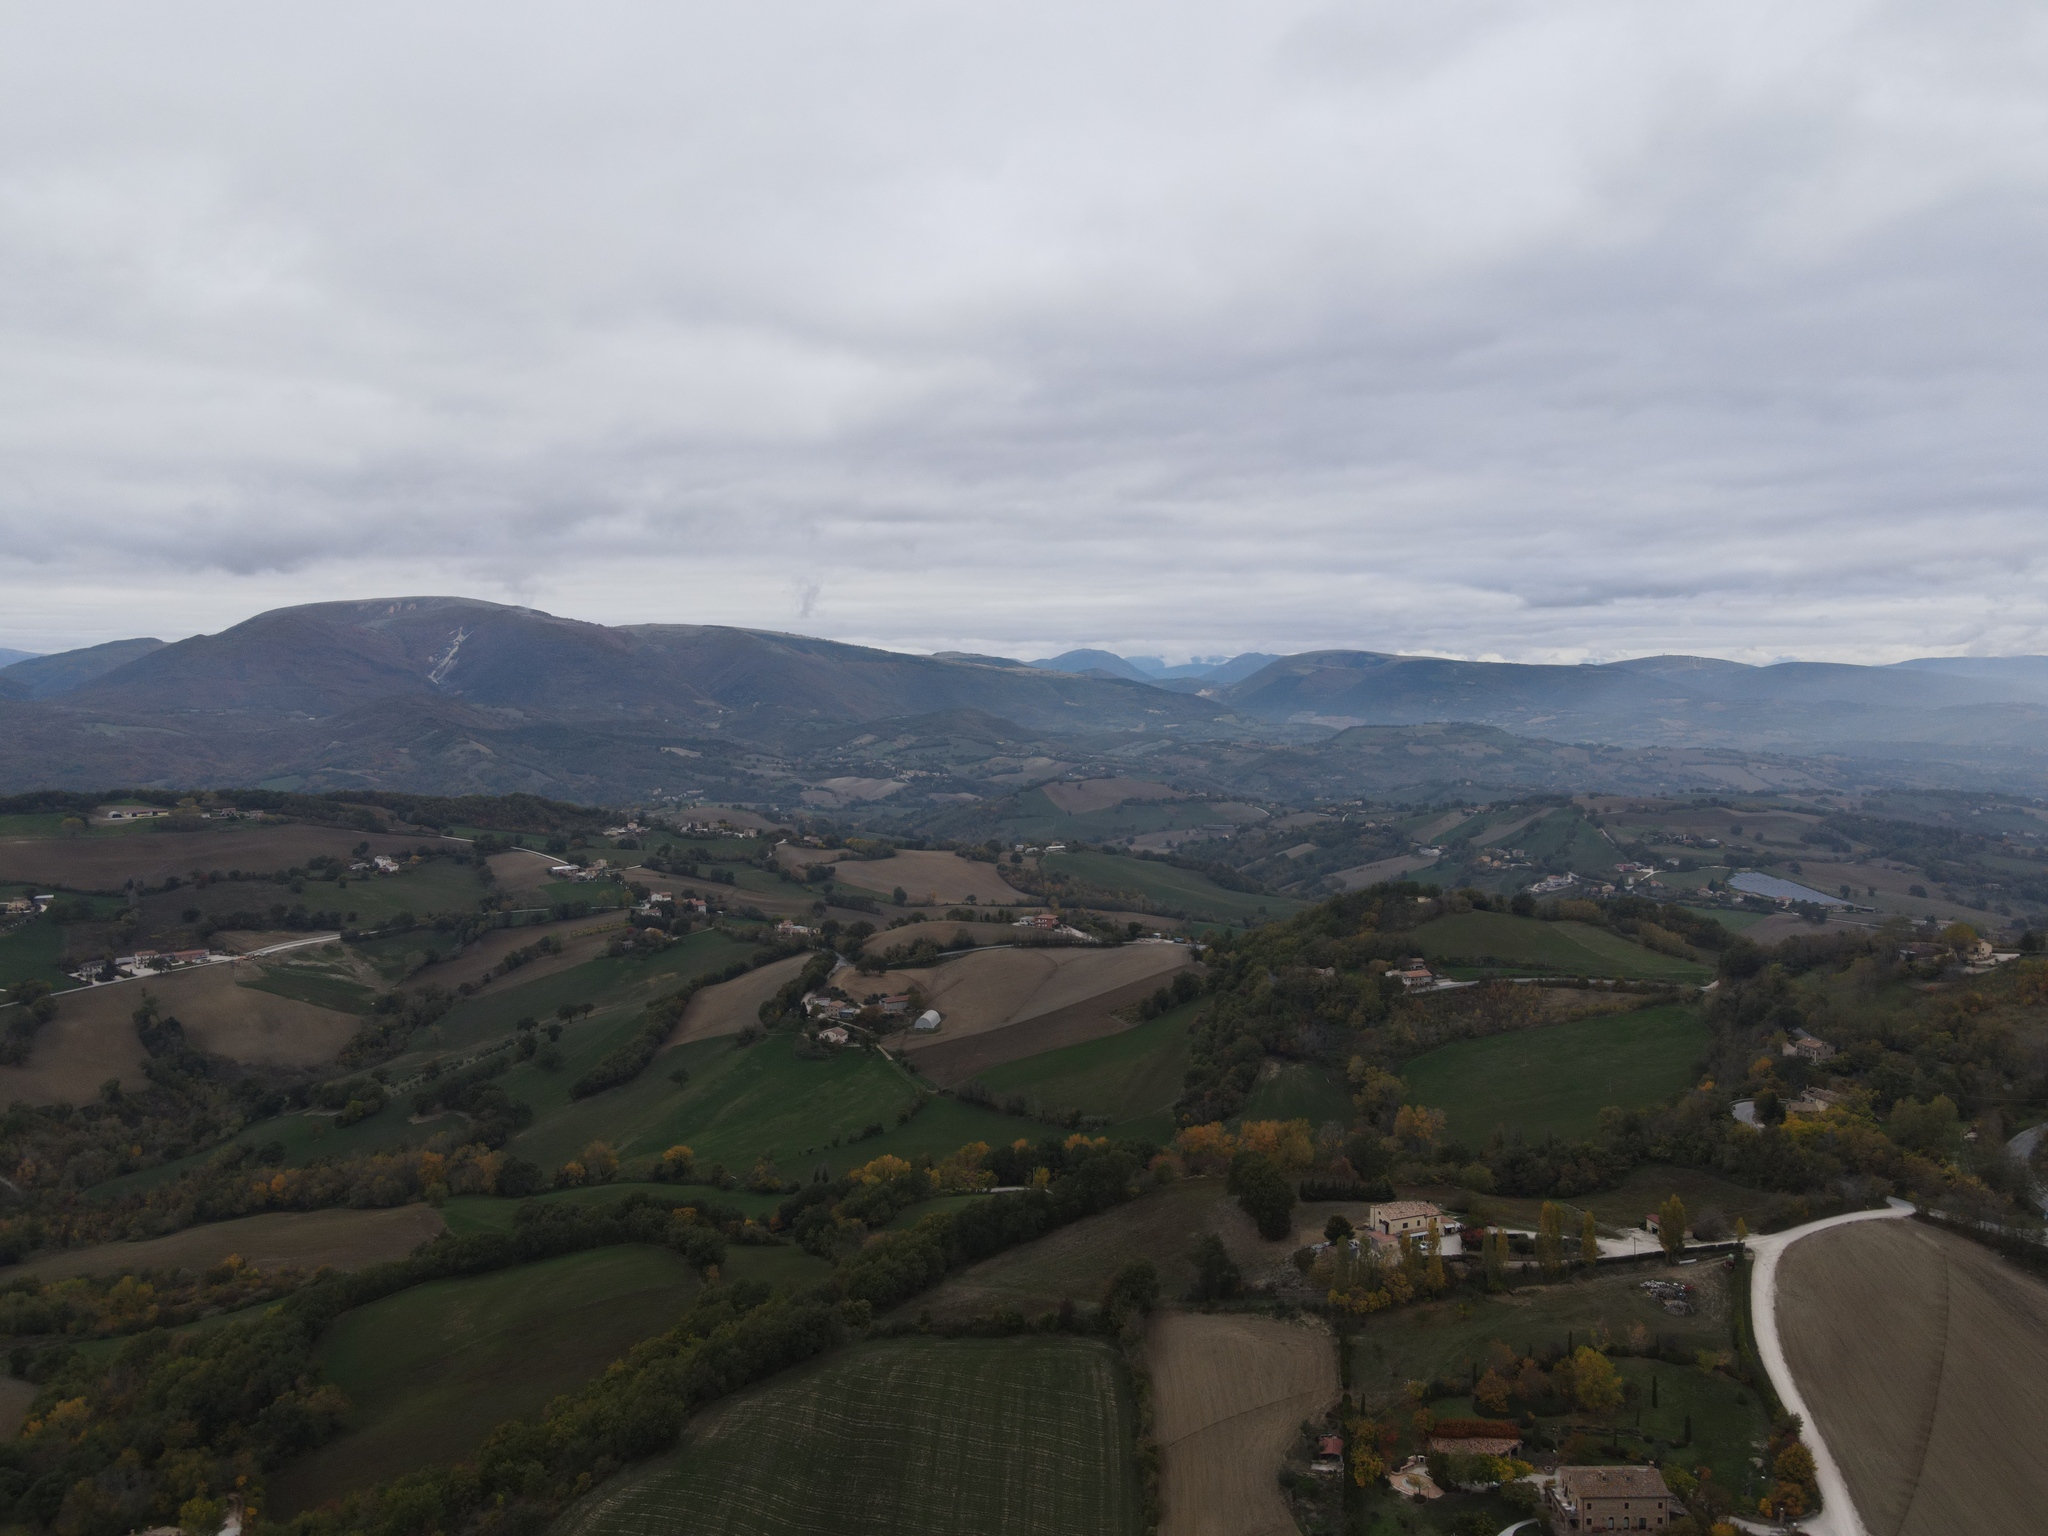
[(927, 1021)]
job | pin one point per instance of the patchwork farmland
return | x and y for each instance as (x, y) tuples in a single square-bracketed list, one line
[(910, 1437)]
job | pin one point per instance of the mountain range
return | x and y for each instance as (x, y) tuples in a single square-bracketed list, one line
[(450, 694)]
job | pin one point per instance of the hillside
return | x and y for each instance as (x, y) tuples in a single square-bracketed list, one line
[(448, 694)]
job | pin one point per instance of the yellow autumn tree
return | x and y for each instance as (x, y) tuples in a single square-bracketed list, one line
[(1205, 1148), (1289, 1143)]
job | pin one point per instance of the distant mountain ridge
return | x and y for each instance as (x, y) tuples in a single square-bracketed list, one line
[(449, 693)]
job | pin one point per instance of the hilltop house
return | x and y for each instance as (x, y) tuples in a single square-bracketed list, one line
[(1608, 1499), (1811, 1047), (1402, 1218), (834, 1036)]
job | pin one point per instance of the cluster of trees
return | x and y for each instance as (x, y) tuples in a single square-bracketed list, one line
[(178, 1421), (34, 1007), (621, 1065), (103, 1306)]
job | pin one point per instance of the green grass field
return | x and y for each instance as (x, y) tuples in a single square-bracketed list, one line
[(912, 1437), (1730, 918), (742, 1102), (1132, 1077), (1555, 1080), (1500, 941), (1299, 1091), (1156, 887), (430, 1370), (34, 952), (306, 984)]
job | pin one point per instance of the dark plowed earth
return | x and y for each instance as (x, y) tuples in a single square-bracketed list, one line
[(1925, 1361)]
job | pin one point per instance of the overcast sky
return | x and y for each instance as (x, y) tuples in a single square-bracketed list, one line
[(1535, 331)]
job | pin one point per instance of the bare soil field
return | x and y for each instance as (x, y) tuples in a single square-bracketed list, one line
[(1004, 1004), (731, 1006), (1925, 1361), (1079, 798), (950, 1062), (1078, 1260), (79, 1050), (1231, 1392), (307, 1239), (943, 878), (220, 1017), (108, 863), (520, 870)]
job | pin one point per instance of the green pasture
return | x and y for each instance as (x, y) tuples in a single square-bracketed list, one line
[(1501, 941), (1567, 836), (34, 952), (1732, 918), (1301, 1091), (1156, 887), (909, 1437), (1077, 1261), (430, 1370), (745, 1102), (1555, 1079), (611, 983), (310, 984), (1132, 1077)]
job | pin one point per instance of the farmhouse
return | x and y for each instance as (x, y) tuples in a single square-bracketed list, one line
[(1329, 1454), (1401, 1218), (129, 812), (1608, 1499), (834, 1036), (1811, 1047), (788, 930), (1815, 1101), (386, 865)]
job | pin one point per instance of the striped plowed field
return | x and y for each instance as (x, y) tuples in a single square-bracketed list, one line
[(1229, 1395), (1924, 1359), (912, 1437)]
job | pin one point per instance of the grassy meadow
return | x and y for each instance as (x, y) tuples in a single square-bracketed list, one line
[(910, 1437), (1501, 941), (1299, 1090), (1131, 1078), (1555, 1079), (430, 1370), (1156, 887)]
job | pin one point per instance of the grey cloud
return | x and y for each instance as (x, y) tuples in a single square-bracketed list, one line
[(1584, 330)]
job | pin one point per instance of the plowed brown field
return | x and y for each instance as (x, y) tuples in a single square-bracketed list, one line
[(933, 875), (731, 1006), (220, 1017), (1925, 1361), (1230, 1393), (1005, 1004)]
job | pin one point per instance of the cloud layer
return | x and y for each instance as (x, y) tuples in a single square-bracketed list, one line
[(1489, 330)]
